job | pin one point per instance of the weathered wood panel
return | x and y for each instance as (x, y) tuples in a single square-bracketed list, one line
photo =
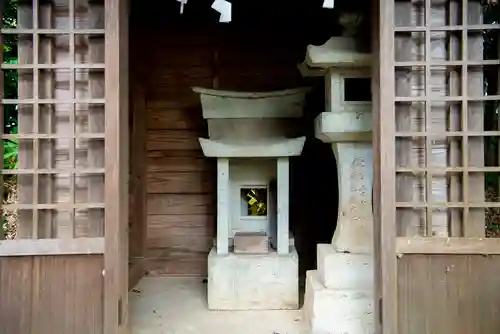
[(180, 183), (448, 294), (166, 230), (175, 204), (173, 140), (195, 163), (51, 294), (16, 281), (179, 116)]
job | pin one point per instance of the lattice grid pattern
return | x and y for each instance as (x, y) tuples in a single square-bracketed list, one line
[(446, 102), (59, 178)]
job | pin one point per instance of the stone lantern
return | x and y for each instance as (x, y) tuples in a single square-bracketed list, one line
[(253, 264), (339, 295)]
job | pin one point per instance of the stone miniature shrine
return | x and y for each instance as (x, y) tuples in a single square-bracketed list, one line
[(253, 264), (339, 294)]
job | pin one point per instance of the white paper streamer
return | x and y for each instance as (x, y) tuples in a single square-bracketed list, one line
[(328, 3), (182, 2), (224, 8)]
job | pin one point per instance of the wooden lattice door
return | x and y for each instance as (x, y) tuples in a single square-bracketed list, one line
[(437, 166), (65, 142)]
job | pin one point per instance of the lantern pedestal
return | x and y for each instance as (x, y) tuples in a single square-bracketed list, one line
[(253, 281), (340, 293)]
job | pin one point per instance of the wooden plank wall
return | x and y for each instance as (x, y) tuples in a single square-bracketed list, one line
[(195, 50), (51, 294), (448, 294), (179, 182)]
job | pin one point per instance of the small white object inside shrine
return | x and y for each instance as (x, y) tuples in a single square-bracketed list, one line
[(253, 264)]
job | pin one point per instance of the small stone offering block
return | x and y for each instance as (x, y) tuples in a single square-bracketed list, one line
[(251, 243)]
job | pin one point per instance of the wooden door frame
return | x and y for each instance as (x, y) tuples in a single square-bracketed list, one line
[(117, 167), (384, 196)]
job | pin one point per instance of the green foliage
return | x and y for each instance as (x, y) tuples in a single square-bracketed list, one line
[(10, 152), (10, 57), (10, 147)]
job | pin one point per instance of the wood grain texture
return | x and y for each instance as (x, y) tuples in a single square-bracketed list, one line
[(138, 172), (69, 286), (173, 140), (170, 204), (179, 179), (16, 278), (384, 196), (52, 294), (448, 294), (180, 183), (172, 117), (180, 164), (117, 164), (162, 226)]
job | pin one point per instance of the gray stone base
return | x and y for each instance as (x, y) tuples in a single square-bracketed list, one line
[(337, 311), (344, 270), (253, 281)]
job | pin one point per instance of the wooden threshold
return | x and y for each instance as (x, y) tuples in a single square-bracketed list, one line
[(431, 245), (27, 247)]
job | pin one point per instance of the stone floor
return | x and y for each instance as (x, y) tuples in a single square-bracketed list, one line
[(178, 306)]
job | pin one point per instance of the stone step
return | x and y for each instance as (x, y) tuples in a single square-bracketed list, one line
[(337, 311), (344, 270)]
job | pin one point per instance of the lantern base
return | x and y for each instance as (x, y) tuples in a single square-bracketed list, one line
[(253, 281)]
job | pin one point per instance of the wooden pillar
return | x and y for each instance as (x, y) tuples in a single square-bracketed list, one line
[(283, 172), (223, 206), (116, 167), (384, 162)]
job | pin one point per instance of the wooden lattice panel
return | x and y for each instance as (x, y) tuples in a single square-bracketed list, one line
[(446, 101), (58, 183)]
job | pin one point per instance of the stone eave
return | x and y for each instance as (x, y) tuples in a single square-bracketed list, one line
[(332, 54), (345, 126), (267, 148)]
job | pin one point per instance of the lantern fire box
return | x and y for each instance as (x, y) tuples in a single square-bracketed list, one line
[(253, 264)]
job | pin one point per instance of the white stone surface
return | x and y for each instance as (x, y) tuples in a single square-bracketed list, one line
[(283, 206), (354, 232), (291, 242), (287, 103), (253, 282), (344, 270), (252, 148), (337, 311), (343, 127), (338, 51), (250, 129), (223, 208)]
